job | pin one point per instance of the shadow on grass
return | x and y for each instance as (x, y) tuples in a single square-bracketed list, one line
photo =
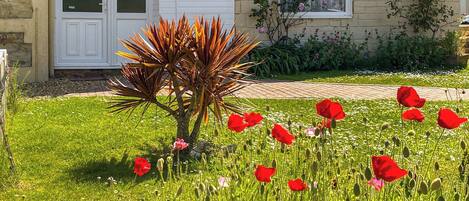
[(98, 171)]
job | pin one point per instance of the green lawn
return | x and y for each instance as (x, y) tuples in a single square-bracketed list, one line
[(458, 79), (67, 148)]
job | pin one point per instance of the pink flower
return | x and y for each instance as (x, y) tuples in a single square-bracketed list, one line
[(310, 132), (376, 183), (262, 30), (179, 144), (301, 7), (315, 184), (224, 182)]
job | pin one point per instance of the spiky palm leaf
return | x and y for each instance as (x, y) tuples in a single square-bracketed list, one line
[(199, 65)]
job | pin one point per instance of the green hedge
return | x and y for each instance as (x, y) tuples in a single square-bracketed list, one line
[(339, 52)]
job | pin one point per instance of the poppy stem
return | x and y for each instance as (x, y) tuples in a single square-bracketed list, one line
[(433, 152)]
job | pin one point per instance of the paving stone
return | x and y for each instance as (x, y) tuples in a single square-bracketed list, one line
[(302, 90)]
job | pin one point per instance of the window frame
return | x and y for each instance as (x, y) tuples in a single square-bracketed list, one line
[(328, 15)]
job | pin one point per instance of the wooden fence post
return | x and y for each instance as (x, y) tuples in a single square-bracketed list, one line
[(3, 107)]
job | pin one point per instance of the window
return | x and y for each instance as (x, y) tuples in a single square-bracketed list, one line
[(131, 6), (320, 8), (95, 6)]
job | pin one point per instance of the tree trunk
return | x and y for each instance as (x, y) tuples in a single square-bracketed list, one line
[(183, 128)]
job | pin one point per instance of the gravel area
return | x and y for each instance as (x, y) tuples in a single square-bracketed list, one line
[(62, 87)]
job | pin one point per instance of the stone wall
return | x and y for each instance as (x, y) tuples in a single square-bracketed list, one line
[(16, 9), (368, 16), (19, 51), (24, 32)]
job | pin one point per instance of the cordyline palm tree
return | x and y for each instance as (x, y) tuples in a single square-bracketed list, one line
[(197, 66)]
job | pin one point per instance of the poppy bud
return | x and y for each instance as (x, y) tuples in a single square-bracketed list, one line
[(423, 189), (362, 177), (317, 132), (197, 192), (436, 184), (463, 145), (169, 159), (411, 133), (262, 189), (396, 141), (333, 123), (412, 184), (456, 196), (365, 120), (160, 164), (457, 110), (368, 173), (179, 192), (202, 187), (274, 163), (245, 147), (314, 167), (461, 169), (267, 108), (212, 189), (441, 198), (308, 153), (427, 134), (385, 126), (356, 189), (406, 152), (156, 192), (318, 155), (437, 166), (386, 144)]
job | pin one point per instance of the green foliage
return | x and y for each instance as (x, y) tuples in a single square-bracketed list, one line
[(422, 15), (336, 51), (278, 59), (416, 53), (14, 91)]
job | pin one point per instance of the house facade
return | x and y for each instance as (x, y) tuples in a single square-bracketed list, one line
[(45, 36)]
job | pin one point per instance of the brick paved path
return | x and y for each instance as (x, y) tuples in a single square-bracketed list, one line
[(302, 90)]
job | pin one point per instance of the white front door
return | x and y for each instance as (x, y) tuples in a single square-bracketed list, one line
[(88, 31)]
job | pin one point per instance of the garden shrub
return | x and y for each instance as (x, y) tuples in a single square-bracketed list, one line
[(416, 53), (278, 59), (336, 51)]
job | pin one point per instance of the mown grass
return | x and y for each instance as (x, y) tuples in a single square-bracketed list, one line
[(67, 148), (457, 79)]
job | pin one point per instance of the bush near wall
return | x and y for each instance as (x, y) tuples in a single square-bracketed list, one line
[(400, 52)]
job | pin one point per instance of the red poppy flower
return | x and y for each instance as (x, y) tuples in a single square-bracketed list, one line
[(282, 135), (408, 97), (386, 169), (297, 185), (236, 123), (330, 109), (252, 118), (264, 174), (449, 119), (413, 115), (141, 166)]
